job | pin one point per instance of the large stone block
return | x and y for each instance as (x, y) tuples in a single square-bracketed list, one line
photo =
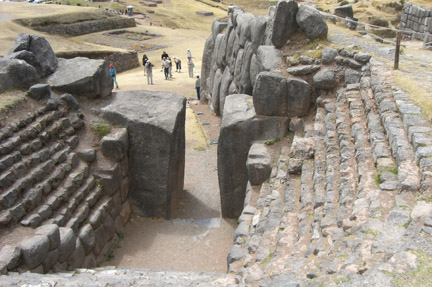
[(35, 250), (324, 79), (82, 76), (245, 85), (156, 127), (115, 145), (258, 164), (206, 65), (284, 23), (216, 90), (244, 28), (67, 243), (41, 49), (240, 128), (311, 22), (16, 73), (110, 179), (275, 95)]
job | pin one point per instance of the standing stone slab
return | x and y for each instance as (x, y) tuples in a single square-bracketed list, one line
[(284, 23), (311, 21), (206, 65), (224, 89), (82, 76), (240, 127), (156, 128), (215, 93)]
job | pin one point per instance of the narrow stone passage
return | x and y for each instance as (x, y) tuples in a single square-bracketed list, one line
[(197, 238)]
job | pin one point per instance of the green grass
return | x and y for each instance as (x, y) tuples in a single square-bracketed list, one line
[(267, 259), (418, 277), (110, 256), (425, 198), (371, 232), (199, 148), (101, 129), (272, 142)]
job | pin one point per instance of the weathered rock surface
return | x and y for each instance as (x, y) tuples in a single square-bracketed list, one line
[(324, 79), (240, 127), (258, 164), (268, 57), (39, 92), (275, 95), (16, 74), (284, 23), (115, 145), (82, 76), (155, 123), (42, 51), (311, 22)]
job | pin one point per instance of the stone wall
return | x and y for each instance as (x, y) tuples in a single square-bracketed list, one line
[(87, 27), (416, 19), (62, 209)]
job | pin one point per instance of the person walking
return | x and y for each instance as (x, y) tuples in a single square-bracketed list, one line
[(165, 65), (178, 64), (191, 65), (164, 55), (113, 74), (197, 86), (144, 61), (149, 71)]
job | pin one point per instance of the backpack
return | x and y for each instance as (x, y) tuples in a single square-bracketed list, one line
[(112, 72)]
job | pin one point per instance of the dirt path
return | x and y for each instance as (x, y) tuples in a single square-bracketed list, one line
[(197, 239)]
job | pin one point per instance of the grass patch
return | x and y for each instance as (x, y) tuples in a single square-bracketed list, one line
[(406, 225), (199, 148), (427, 198), (101, 129), (343, 280), (343, 257), (418, 94), (272, 142), (110, 256), (371, 232), (418, 277), (268, 258)]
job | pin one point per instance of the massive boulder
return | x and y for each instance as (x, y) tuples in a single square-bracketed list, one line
[(16, 73), (240, 128), (156, 127), (275, 95), (41, 49), (284, 23), (82, 76), (311, 22)]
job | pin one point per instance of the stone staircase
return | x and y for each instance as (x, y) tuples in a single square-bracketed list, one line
[(352, 214), (50, 188)]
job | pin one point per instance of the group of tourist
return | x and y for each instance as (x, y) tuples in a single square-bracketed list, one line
[(166, 67)]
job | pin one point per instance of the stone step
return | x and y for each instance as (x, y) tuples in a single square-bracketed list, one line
[(33, 170), (120, 277), (54, 195), (8, 131)]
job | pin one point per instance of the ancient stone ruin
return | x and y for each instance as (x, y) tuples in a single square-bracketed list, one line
[(63, 203), (326, 165)]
